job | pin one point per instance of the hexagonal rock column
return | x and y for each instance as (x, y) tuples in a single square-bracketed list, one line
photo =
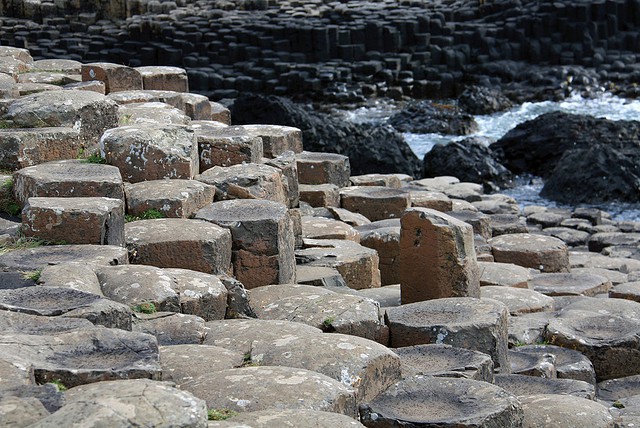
[(555, 410), (151, 152), (327, 228), (299, 417), (262, 236), (567, 363), (546, 253), (384, 237), (226, 146), (286, 163), (110, 404), (323, 168), (611, 343), (116, 77), (276, 139), (20, 148), (250, 389), (357, 264), (437, 257), (375, 202), (164, 78), (97, 221), (366, 366), (320, 195), (68, 178), (328, 310), (518, 300), (179, 243), (445, 361), (570, 284), (463, 322), (246, 181), (504, 275), (174, 198), (89, 112), (442, 402), (523, 385)]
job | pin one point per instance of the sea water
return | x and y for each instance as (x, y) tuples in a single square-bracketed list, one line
[(494, 126)]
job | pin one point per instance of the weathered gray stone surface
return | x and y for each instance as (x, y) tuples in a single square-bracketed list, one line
[(87, 111), (386, 296), (151, 152), (246, 181), (22, 323), (553, 410), (357, 264), (84, 356), (87, 220), (276, 139), (546, 253), (226, 146), (437, 257), (360, 364), (323, 168), (127, 403), (171, 328), (463, 322), (320, 276), (565, 363), (445, 361), (27, 147), (78, 276), (116, 77), (611, 343), (251, 389), (437, 401), (179, 243), (286, 162), (174, 198), (17, 412), (154, 113), (181, 363), (375, 202), (614, 389), (326, 228), (504, 274), (262, 239), (278, 418), (196, 106), (164, 78), (518, 300), (240, 334), (68, 178), (570, 284), (320, 195), (521, 385), (67, 302), (319, 307)]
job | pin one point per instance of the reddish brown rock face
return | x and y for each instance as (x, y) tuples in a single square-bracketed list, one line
[(437, 257), (115, 77)]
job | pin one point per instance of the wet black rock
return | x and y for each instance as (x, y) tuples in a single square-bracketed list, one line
[(469, 160), (481, 100), (537, 145), (426, 117), (599, 174), (370, 148)]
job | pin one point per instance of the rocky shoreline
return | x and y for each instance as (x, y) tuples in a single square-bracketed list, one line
[(172, 269)]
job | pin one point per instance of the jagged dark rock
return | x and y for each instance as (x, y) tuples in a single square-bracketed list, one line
[(598, 174), (371, 148), (469, 160), (425, 117), (481, 100), (536, 146)]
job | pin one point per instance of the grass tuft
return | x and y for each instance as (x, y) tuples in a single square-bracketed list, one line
[(220, 414), (147, 215)]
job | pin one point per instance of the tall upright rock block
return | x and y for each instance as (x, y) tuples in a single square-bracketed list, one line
[(437, 257), (262, 239)]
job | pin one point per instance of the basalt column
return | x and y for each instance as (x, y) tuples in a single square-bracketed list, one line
[(437, 257)]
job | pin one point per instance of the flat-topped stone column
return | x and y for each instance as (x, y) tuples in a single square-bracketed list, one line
[(262, 237), (226, 146), (151, 152), (546, 253), (97, 221), (463, 322), (276, 139), (437, 257), (375, 202), (180, 243), (174, 198), (323, 168), (68, 178), (164, 78), (26, 147), (116, 77)]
